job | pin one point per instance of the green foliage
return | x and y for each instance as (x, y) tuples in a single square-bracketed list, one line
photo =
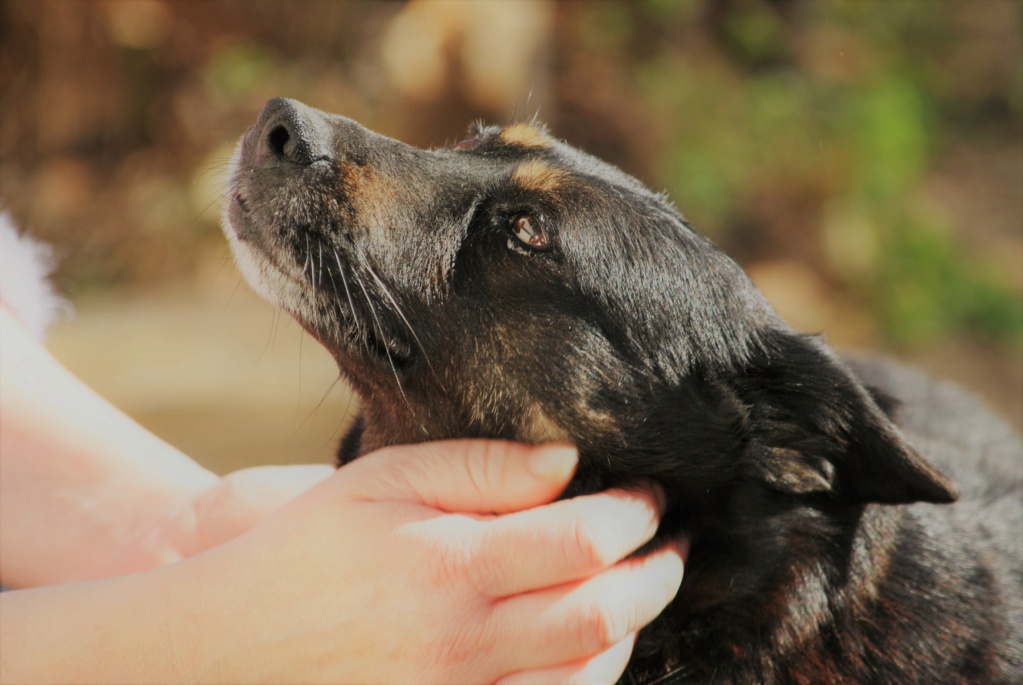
[(756, 30), (835, 105), (925, 287), (828, 131), (890, 137), (238, 69)]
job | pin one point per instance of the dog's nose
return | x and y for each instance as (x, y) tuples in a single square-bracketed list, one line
[(288, 131)]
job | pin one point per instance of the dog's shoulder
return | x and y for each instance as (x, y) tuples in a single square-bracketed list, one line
[(979, 450)]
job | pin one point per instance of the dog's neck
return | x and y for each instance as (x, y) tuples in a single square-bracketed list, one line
[(784, 614)]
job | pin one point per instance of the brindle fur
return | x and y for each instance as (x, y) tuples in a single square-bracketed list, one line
[(824, 545)]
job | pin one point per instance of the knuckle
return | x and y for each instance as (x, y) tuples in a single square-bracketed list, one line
[(586, 547), (446, 566), (495, 462), (456, 563), (601, 625), (482, 462), (478, 480), (481, 571), (397, 471)]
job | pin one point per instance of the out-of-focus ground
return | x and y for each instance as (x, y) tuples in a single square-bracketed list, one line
[(863, 160), (212, 368)]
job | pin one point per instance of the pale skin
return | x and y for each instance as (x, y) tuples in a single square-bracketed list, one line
[(442, 562)]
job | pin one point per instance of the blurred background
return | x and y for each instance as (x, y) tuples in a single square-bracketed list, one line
[(862, 159)]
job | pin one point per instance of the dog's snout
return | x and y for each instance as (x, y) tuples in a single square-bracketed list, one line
[(287, 131)]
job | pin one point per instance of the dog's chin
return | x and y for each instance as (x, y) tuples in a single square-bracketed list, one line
[(265, 276), (348, 344), (258, 270)]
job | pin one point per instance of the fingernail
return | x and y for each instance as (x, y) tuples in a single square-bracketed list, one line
[(682, 545), (676, 569), (654, 490), (660, 497), (554, 462)]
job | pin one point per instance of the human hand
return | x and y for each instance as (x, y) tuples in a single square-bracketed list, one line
[(427, 564), (374, 576)]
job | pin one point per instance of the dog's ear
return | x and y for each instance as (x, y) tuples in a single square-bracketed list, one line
[(814, 428)]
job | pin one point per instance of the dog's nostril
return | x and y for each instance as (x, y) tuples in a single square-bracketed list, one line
[(290, 132), (278, 139)]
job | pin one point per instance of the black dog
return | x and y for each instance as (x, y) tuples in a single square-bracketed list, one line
[(514, 287)]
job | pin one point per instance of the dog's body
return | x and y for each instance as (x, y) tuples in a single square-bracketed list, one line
[(514, 287)]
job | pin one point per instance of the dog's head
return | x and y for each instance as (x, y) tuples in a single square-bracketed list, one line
[(515, 287)]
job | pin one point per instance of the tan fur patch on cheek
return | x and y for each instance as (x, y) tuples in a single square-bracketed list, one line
[(372, 196), (538, 176), (539, 427), (525, 135)]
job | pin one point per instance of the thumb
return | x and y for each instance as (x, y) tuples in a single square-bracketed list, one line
[(470, 476), (242, 499)]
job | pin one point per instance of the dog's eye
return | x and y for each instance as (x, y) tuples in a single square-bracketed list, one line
[(529, 231)]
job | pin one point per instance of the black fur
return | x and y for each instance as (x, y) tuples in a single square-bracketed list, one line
[(824, 548)]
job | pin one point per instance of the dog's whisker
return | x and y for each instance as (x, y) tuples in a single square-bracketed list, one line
[(318, 242), (387, 352), (205, 209), (308, 270), (319, 405), (398, 311), (356, 322)]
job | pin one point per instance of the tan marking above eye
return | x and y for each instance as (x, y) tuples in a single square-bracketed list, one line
[(525, 135), (539, 176)]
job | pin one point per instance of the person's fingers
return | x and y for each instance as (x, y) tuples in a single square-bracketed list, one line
[(563, 541), (606, 667), (265, 488), (468, 476), (239, 501), (580, 619)]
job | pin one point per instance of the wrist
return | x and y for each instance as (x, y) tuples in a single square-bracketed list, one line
[(84, 486)]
